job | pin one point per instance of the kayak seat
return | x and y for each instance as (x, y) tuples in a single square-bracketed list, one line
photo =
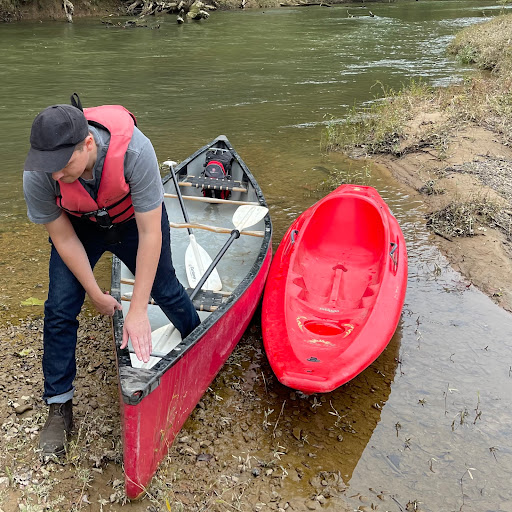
[(340, 286)]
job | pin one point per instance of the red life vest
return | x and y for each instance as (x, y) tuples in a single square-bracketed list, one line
[(114, 196)]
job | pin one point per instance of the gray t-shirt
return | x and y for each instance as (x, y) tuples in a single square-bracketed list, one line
[(141, 172)]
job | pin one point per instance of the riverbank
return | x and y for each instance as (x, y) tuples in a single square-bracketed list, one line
[(17, 10), (453, 148)]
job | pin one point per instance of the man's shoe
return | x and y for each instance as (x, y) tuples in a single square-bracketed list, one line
[(53, 437)]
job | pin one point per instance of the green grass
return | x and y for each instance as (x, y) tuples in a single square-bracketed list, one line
[(381, 127)]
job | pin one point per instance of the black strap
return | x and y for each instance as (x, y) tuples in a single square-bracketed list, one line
[(75, 101)]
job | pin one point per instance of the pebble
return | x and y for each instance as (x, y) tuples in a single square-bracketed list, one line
[(313, 505), (23, 408), (4, 482)]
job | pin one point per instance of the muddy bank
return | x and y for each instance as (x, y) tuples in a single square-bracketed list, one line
[(474, 172)]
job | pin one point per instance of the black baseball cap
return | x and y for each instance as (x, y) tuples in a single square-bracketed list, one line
[(55, 133)]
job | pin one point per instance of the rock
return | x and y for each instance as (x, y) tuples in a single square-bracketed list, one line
[(313, 505), (4, 483), (264, 497), (204, 457), (23, 408)]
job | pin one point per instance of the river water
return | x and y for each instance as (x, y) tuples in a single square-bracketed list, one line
[(270, 80)]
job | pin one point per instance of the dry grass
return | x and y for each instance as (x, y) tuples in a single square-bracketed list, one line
[(462, 218), (486, 45), (485, 100)]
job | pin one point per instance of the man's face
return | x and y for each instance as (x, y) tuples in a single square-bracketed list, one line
[(75, 167)]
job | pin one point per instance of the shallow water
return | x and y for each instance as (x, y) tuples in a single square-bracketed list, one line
[(436, 402)]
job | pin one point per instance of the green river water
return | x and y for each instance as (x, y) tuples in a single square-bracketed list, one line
[(270, 80)]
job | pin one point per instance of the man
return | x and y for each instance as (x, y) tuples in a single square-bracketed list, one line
[(92, 179)]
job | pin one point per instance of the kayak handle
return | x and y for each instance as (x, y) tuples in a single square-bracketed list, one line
[(293, 234), (394, 247)]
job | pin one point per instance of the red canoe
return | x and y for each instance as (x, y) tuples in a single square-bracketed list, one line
[(157, 398), (335, 290)]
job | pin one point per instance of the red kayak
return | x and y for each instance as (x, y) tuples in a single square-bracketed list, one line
[(335, 290)]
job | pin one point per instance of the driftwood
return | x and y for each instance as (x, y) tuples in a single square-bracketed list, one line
[(305, 4), (69, 9), (197, 11), (194, 10), (147, 7)]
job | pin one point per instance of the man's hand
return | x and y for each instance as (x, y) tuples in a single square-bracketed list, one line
[(106, 304), (137, 328)]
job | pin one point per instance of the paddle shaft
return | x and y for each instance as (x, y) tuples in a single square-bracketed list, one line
[(180, 198), (234, 235)]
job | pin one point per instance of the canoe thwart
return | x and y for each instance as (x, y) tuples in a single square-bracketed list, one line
[(214, 200), (215, 229), (212, 184)]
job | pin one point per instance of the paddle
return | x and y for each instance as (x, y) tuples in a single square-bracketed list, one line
[(245, 216), (196, 258)]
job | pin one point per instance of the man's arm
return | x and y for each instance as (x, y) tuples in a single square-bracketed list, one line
[(136, 323), (73, 254)]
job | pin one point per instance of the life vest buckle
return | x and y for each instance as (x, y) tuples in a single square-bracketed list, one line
[(102, 218)]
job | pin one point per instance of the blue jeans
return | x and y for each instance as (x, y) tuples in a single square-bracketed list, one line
[(66, 296)]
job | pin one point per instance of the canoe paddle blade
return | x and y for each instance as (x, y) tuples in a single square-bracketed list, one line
[(197, 260), (248, 215)]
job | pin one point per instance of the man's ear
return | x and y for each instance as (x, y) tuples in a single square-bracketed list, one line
[(89, 142)]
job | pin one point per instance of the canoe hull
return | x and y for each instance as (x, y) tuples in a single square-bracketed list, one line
[(156, 398), (335, 290), (151, 426)]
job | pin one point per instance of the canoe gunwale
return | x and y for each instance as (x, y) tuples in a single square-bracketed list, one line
[(137, 383)]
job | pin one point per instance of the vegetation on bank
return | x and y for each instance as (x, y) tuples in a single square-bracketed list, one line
[(484, 99), (422, 118), (15, 10)]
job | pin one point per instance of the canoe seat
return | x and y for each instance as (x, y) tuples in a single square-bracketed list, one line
[(213, 184), (206, 300)]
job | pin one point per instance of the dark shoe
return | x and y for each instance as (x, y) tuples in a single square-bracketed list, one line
[(53, 437)]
